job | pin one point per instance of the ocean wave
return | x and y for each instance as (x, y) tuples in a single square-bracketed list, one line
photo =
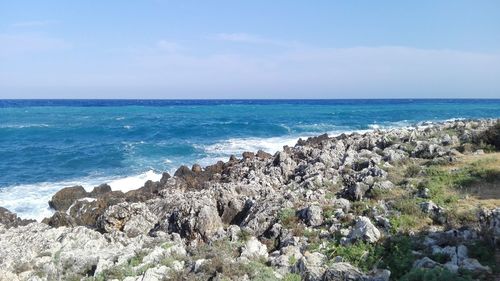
[(30, 201), (237, 146), (22, 126), (390, 125)]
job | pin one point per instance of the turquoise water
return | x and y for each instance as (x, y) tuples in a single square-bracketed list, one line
[(46, 145)]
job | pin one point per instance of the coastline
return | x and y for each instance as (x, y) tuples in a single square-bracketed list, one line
[(38, 194), (271, 207)]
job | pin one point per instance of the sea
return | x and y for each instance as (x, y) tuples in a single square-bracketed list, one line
[(46, 145)]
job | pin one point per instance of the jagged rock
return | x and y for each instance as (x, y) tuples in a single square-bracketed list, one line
[(263, 155), (384, 185), (311, 266), (63, 253), (435, 212), (364, 230), (132, 219), (343, 271), (286, 258), (425, 262), (59, 219), (490, 220), (253, 249), (383, 221), (9, 219), (356, 191), (233, 232), (394, 155), (473, 266), (313, 215), (65, 197), (192, 214), (99, 190), (85, 211), (248, 155), (343, 204), (427, 150), (196, 169), (208, 221)]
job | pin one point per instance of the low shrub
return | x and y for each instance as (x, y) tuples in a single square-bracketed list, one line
[(435, 274), (291, 277), (412, 170), (287, 217), (492, 136), (397, 256), (360, 254), (484, 252)]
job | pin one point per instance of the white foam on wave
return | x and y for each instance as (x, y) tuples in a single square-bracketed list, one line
[(236, 146), (30, 201), (390, 125), (240, 145), (134, 182), (22, 126)]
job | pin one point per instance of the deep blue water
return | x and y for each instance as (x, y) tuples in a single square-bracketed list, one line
[(48, 144)]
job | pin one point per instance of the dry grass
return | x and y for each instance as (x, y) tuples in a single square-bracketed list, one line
[(480, 193)]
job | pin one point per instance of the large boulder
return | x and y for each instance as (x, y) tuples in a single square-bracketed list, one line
[(253, 249), (311, 266), (85, 211), (343, 271), (192, 214), (312, 215), (364, 230), (131, 218), (64, 198)]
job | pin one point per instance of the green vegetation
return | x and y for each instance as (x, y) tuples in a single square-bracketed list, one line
[(435, 274), (440, 257), (292, 277), (394, 254), (412, 170), (410, 217), (397, 255), (362, 255), (491, 136), (244, 235), (484, 252), (167, 245), (287, 216), (122, 271)]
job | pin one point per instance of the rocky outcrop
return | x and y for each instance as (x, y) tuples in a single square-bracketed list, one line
[(286, 212), (133, 219), (39, 251), (9, 219), (64, 198)]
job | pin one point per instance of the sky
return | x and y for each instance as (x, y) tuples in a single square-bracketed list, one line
[(249, 49)]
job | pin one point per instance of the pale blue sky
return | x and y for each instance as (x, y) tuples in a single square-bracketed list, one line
[(249, 49)]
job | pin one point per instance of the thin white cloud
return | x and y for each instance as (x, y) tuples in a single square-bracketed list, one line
[(35, 23), (19, 44), (387, 71), (253, 39), (168, 46)]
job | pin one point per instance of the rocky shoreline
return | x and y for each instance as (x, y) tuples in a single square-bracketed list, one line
[(369, 206)]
